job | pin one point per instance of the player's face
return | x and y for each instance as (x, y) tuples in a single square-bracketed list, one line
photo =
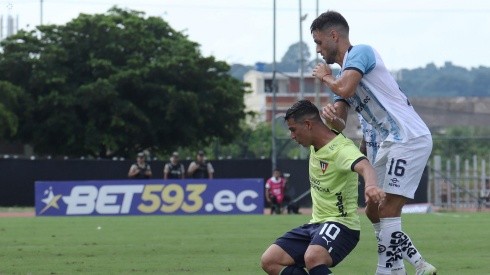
[(298, 130), (325, 45)]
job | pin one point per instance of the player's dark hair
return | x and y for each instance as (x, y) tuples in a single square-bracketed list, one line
[(301, 109), (328, 20)]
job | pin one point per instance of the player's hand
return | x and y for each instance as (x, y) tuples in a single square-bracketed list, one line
[(321, 70), (329, 112), (373, 194)]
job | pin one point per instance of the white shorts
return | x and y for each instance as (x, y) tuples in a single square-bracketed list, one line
[(399, 166)]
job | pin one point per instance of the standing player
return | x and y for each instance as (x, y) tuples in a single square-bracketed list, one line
[(401, 142), (275, 191), (333, 230)]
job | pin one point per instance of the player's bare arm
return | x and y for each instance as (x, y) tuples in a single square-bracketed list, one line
[(362, 147), (372, 192), (335, 115), (344, 86)]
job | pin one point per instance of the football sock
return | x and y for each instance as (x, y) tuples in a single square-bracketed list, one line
[(389, 250), (377, 229), (408, 250), (293, 270), (320, 270)]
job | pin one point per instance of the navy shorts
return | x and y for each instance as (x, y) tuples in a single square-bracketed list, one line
[(336, 238)]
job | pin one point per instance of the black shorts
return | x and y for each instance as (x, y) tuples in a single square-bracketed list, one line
[(336, 238)]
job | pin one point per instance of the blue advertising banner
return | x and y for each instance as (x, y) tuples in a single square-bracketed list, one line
[(149, 197)]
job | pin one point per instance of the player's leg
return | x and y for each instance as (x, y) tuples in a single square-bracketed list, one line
[(404, 167), (395, 243), (371, 211), (273, 204), (286, 255), (390, 260), (318, 260), (331, 243), (276, 261), (387, 260)]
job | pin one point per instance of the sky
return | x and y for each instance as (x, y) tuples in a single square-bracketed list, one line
[(407, 33)]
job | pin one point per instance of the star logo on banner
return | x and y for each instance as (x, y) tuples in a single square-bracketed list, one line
[(50, 200)]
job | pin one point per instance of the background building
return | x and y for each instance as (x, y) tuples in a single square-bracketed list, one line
[(9, 25), (260, 98)]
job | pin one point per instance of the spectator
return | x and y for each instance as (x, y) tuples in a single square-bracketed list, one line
[(200, 168), (484, 197), (275, 191), (174, 169), (140, 169)]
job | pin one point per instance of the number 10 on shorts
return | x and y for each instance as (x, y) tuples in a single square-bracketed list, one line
[(329, 232)]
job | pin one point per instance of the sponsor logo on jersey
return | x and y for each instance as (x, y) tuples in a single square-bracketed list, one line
[(394, 182)]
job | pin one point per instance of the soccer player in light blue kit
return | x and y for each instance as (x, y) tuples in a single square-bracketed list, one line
[(400, 141)]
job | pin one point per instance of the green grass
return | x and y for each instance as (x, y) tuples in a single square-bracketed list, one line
[(456, 243)]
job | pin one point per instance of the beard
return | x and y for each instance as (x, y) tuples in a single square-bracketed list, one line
[(330, 57)]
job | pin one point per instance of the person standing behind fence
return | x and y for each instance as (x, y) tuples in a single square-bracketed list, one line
[(140, 169), (174, 169), (200, 168), (275, 191), (484, 197), (365, 84)]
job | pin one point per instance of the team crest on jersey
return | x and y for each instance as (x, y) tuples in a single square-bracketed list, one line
[(324, 166)]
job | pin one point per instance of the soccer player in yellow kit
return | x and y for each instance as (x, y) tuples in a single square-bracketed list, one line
[(333, 231)]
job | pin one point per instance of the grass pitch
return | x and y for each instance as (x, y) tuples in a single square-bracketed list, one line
[(456, 243)]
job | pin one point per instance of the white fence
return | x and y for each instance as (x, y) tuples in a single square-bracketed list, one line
[(458, 184)]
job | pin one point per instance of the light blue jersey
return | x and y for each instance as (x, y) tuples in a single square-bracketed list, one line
[(396, 121), (372, 139)]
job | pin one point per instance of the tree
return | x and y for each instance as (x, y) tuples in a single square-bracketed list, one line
[(10, 98), (116, 83), (290, 62)]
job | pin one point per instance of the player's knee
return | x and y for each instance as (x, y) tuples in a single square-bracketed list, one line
[(372, 212), (391, 206), (267, 262), (264, 262), (389, 210), (314, 258)]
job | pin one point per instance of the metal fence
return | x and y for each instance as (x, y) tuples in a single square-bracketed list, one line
[(459, 183)]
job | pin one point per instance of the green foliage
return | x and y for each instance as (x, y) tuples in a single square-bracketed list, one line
[(448, 80), (221, 244), (10, 100), (117, 83), (290, 62), (254, 142)]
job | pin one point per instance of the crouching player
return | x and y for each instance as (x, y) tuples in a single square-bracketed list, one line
[(333, 231)]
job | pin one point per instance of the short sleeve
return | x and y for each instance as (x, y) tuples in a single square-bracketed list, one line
[(360, 58), (348, 156)]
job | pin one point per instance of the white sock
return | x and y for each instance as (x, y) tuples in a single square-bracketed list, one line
[(389, 250), (409, 252), (377, 229)]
